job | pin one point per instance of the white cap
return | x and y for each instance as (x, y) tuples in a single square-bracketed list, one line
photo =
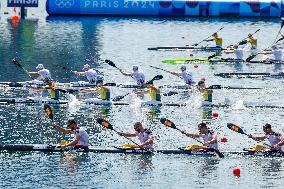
[(39, 66), (135, 68), (183, 68), (86, 66)]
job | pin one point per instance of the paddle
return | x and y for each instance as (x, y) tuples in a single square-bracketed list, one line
[(169, 123), (107, 125), (207, 37), (78, 90), (244, 41), (237, 129), (118, 98), (17, 63), (109, 62)]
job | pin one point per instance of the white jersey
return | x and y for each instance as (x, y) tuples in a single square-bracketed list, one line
[(91, 75), (84, 137), (186, 76), (239, 53), (278, 54), (139, 77), (208, 137), (43, 74), (274, 138), (144, 136)]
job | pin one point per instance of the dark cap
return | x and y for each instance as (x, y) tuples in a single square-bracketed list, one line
[(202, 125), (70, 122), (201, 82), (267, 126)]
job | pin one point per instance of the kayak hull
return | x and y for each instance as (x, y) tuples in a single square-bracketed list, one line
[(54, 148)]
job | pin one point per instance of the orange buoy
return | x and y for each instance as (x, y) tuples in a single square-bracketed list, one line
[(203, 78), (236, 172), (215, 115), (195, 66), (15, 18), (224, 139)]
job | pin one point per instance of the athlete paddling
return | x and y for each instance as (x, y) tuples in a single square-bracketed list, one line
[(41, 73), (206, 93), (252, 41), (81, 138), (103, 91), (52, 91), (207, 134), (238, 52), (144, 135), (184, 74), (275, 139), (153, 91), (136, 74), (88, 72), (217, 39)]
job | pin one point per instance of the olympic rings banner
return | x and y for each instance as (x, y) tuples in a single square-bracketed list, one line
[(235, 8)]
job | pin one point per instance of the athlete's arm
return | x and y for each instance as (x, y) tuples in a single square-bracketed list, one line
[(33, 73), (257, 138), (61, 129), (79, 73), (124, 73), (127, 134), (191, 135)]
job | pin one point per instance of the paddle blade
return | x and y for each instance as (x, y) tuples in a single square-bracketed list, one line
[(168, 123), (215, 87), (104, 123), (48, 111), (171, 93), (157, 77), (218, 153), (109, 62), (118, 98), (235, 128), (212, 56), (250, 57), (243, 42), (16, 62), (110, 84)]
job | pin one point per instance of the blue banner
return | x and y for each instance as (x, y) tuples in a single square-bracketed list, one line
[(206, 8), (22, 3)]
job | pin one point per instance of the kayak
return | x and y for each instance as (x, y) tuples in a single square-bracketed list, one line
[(203, 152), (32, 100), (185, 60), (212, 61), (184, 48), (264, 74)]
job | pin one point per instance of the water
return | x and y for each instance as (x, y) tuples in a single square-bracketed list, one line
[(75, 41)]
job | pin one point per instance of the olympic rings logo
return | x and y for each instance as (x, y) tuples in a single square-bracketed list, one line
[(65, 3)]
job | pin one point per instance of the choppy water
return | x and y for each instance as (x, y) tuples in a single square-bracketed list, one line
[(75, 41)]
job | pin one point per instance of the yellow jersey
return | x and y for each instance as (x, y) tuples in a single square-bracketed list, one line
[(218, 41), (104, 94), (155, 96)]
